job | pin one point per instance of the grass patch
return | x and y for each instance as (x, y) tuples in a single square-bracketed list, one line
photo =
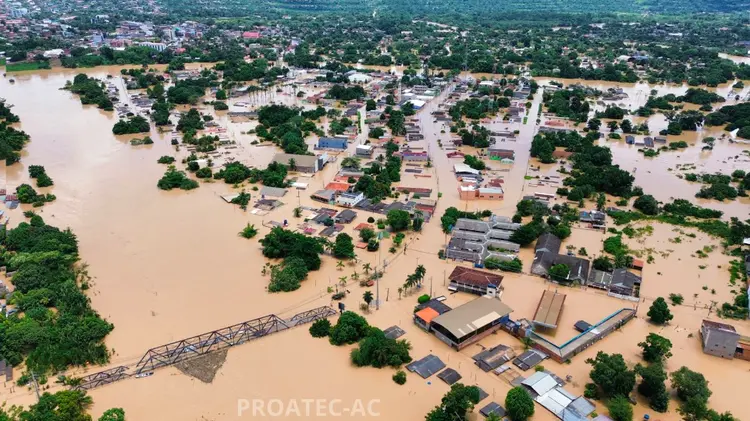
[(21, 67)]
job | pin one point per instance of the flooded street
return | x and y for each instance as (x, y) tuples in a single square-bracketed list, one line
[(170, 265)]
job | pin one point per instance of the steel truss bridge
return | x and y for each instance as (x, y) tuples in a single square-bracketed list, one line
[(205, 343)]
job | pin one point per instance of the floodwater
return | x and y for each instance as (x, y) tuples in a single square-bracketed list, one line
[(169, 265)]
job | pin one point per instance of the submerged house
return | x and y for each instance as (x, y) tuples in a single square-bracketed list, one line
[(470, 322), (474, 240), (474, 281), (547, 254)]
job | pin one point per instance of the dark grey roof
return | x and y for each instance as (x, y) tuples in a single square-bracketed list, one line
[(529, 359), (394, 332), (582, 326), (346, 215), (548, 242), (579, 268), (449, 376), (494, 357), (426, 366), (492, 408), (622, 277)]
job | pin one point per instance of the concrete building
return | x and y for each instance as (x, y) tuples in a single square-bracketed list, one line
[(719, 339), (303, 163), (474, 281), (333, 143), (350, 200), (364, 151), (475, 241), (470, 322), (498, 153), (158, 46), (472, 192)]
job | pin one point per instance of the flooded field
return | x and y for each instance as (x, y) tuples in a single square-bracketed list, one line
[(169, 265)]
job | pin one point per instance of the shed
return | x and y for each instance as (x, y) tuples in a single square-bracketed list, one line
[(529, 359), (426, 366), (549, 309), (494, 357), (272, 192), (540, 383), (324, 196), (345, 216), (492, 408), (582, 326), (449, 376)]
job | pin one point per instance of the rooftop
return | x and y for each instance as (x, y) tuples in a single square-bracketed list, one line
[(475, 277), (466, 319)]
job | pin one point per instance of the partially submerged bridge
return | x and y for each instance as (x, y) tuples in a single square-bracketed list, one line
[(205, 343)]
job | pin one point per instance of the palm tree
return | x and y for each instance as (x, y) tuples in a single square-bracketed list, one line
[(367, 296), (249, 231), (400, 291), (292, 164), (297, 212), (366, 267), (342, 281), (419, 274), (340, 265), (355, 276), (493, 417)]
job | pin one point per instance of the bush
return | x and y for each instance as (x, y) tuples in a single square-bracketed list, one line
[(423, 298), (514, 265), (166, 160), (174, 179), (370, 220), (204, 172), (378, 351), (647, 204), (591, 391), (373, 245), (399, 377), (320, 328)]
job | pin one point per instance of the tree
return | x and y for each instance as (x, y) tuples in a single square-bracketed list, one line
[(350, 328), (527, 233), (594, 124), (611, 374), (458, 402), (114, 414), (367, 297), (417, 224), (320, 328), (398, 219), (366, 234), (371, 105), (659, 312), (378, 351), (647, 204), (221, 95), (559, 272), (518, 404), (652, 385), (620, 409), (656, 348), (399, 377), (343, 246), (690, 384), (603, 263)]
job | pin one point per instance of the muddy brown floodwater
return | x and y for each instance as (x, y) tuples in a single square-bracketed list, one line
[(169, 265)]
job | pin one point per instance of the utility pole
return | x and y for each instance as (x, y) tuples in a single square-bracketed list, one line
[(36, 385), (430, 286)]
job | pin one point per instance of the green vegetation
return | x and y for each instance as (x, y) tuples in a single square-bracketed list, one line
[(659, 312), (377, 351), (518, 404), (55, 327), (65, 405), (514, 265), (399, 220), (26, 66), (399, 377), (620, 409), (343, 247), (350, 328), (300, 253), (474, 162), (27, 194), (90, 91), (346, 93), (12, 141), (652, 385), (249, 231), (611, 374), (174, 179), (40, 174), (656, 348), (135, 124), (456, 404), (320, 328)]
